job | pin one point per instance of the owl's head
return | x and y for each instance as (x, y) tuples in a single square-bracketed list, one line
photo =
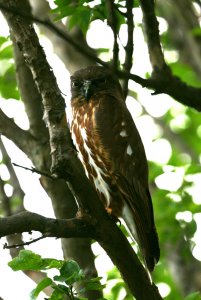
[(94, 80)]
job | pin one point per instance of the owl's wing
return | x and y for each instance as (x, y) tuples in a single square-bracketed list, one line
[(123, 144)]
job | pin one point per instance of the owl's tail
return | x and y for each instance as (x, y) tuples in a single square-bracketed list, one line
[(145, 236)]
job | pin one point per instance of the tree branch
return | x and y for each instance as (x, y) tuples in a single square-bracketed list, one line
[(112, 22), (170, 85), (162, 80), (27, 222), (129, 46), (59, 228), (30, 96), (152, 32), (17, 190), (23, 139)]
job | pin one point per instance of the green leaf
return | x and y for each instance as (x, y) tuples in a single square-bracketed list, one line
[(93, 285), (185, 73), (70, 273), (6, 50), (41, 286), (113, 274), (57, 295), (66, 11), (28, 260), (3, 39), (194, 296), (62, 288), (8, 86), (196, 32), (81, 18), (50, 263)]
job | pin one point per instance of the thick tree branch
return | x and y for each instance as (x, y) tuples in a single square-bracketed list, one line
[(183, 20), (59, 228), (23, 139), (162, 80), (166, 83), (27, 222), (152, 32), (30, 96)]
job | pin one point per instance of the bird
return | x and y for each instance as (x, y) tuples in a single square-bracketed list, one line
[(112, 153)]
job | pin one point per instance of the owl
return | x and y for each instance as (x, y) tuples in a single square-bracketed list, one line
[(111, 151)]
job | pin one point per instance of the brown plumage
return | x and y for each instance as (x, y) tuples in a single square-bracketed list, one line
[(111, 150)]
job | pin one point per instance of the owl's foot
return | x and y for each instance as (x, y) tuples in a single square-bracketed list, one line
[(112, 216)]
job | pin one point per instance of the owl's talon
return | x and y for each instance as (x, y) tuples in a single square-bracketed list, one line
[(112, 216)]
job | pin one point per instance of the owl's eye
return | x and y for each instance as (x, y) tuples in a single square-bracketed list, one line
[(76, 83), (100, 81)]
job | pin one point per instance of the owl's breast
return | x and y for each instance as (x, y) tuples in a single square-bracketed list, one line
[(92, 154)]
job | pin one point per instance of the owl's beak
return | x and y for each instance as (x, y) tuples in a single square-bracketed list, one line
[(87, 89)]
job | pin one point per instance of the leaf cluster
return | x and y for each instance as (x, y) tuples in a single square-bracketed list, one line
[(8, 88), (62, 284), (83, 12)]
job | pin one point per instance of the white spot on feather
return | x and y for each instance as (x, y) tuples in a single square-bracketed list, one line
[(129, 150), (122, 123), (123, 133)]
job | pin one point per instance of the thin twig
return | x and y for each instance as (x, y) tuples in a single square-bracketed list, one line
[(6, 246), (34, 170), (112, 22), (129, 46)]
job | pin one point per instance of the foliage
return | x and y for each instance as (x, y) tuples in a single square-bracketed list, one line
[(62, 284), (83, 12), (8, 88)]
